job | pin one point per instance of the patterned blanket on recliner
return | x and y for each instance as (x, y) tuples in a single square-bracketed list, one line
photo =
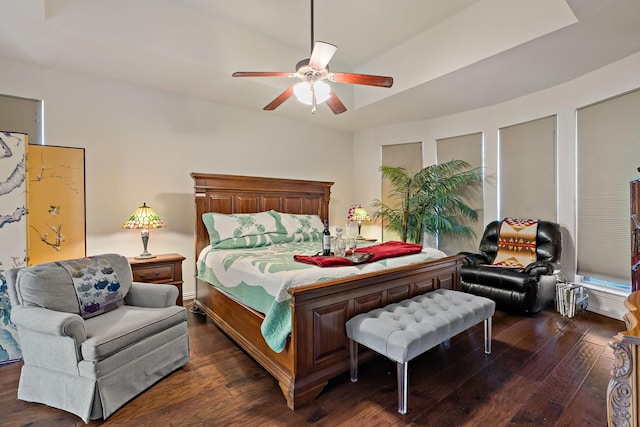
[(516, 243)]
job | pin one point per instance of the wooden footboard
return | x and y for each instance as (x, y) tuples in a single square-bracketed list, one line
[(317, 349)]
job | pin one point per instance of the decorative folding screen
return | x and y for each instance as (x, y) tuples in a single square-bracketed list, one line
[(56, 202), (13, 232)]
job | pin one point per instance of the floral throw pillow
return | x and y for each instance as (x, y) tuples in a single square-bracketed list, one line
[(235, 226), (254, 241), (299, 224)]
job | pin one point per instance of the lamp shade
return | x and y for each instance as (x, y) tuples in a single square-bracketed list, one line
[(360, 214), (144, 217), (304, 92)]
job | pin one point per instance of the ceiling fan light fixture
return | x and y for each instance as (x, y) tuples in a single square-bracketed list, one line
[(304, 92), (313, 90)]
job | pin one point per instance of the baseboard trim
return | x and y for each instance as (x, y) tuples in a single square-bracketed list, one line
[(600, 302), (606, 303), (189, 295)]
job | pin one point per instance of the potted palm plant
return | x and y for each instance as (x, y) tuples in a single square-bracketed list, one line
[(431, 201)]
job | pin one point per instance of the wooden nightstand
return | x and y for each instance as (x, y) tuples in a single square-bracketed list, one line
[(165, 269)]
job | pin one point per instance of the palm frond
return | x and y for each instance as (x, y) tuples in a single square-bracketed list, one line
[(430, 200)]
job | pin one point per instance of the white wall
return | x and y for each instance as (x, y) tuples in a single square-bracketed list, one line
[(563, 100), (142, 144)]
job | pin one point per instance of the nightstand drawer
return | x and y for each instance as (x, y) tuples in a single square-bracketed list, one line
[(163, 269), (155, 273)]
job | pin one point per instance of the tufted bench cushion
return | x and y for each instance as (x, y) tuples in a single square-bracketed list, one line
[(404, 330)]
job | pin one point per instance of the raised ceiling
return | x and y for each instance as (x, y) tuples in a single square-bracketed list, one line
[(446, 56)]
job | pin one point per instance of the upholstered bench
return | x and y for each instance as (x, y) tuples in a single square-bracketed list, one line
[(404, 330)]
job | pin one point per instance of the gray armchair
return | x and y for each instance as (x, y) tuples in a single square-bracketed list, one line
[(91, 338)]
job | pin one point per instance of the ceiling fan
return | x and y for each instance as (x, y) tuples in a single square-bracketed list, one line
[(313, 90)]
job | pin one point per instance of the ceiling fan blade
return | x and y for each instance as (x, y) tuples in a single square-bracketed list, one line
[(335, 104), (260, 74), (321, 55), (361, 79), (279, 99)]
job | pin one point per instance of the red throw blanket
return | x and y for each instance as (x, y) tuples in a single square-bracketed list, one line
[(378, 252)]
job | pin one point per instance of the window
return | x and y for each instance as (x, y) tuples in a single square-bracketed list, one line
[(527, 170), (469, 149), (22, 115), (608, 157), (408, 156)]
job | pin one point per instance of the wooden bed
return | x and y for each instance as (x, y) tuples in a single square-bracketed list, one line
[(317, 348)]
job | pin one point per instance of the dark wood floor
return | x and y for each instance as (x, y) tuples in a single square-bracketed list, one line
[(544, 370)]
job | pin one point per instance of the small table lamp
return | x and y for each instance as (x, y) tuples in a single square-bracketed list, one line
[(359, 214), (144, 218)]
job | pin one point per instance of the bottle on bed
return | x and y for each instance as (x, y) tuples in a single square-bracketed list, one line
[(326, 239)]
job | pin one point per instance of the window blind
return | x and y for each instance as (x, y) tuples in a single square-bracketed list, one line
[(608, 135), (469, 149), (527, 172), (408, 156), (21, 115)]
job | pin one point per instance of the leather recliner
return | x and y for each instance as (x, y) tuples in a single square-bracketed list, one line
[(522, 291)]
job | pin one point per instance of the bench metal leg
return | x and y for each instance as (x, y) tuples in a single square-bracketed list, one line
[(487, 335), (403, 385), (353, 360)]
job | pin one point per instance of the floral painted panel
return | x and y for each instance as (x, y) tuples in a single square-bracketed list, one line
[(13, 232), (56, 203)]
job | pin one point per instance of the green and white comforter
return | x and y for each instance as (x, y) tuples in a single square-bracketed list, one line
[(260, 278)]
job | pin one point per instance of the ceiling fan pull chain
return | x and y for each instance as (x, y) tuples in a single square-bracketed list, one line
[(314, 102)]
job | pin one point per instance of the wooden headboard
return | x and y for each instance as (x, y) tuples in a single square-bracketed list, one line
[(248, 194)]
